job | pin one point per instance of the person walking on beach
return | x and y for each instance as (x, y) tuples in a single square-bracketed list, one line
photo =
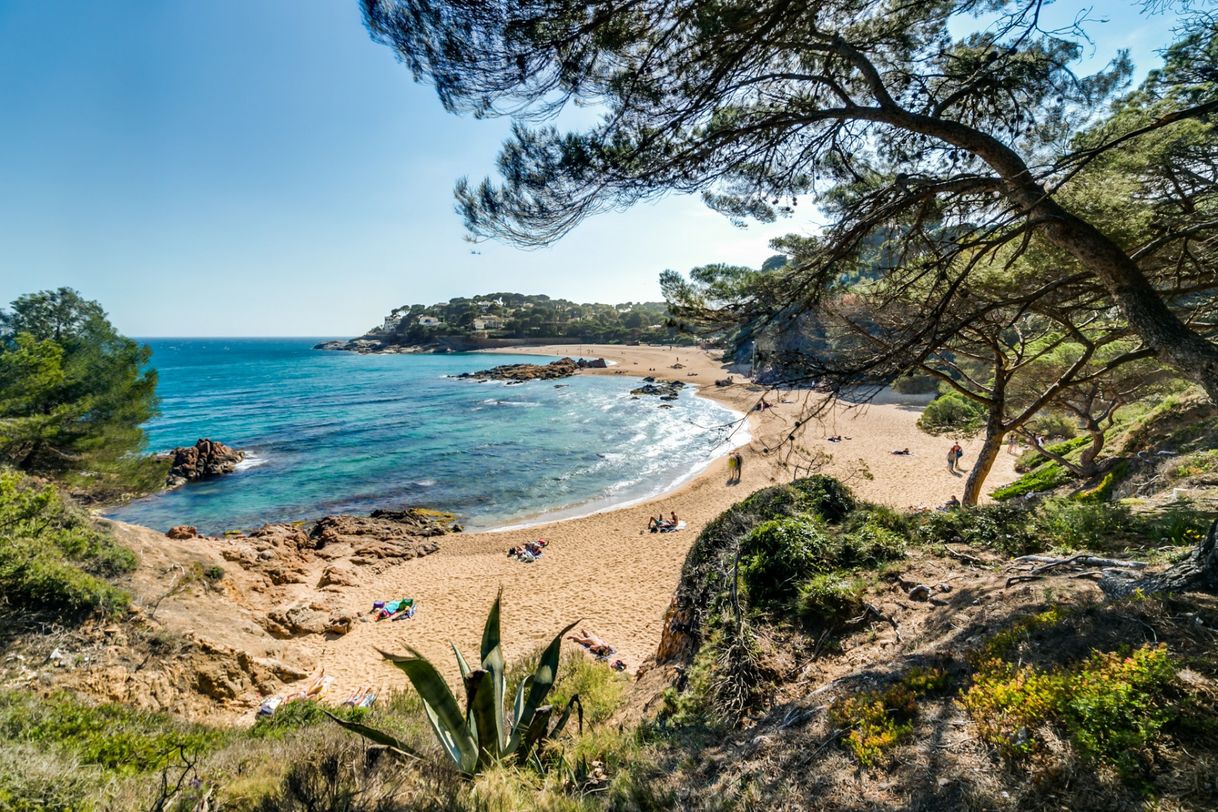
[(739, 464), (953, 457), (731, 468)]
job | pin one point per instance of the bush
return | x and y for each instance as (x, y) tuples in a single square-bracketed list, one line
[(827, 497), (828, 599), (870, 544), (1039, 480), (915, 385), (999, 527), (777, 555), (52, 558), (1072, 524), (116, 738), (875, 721), (952, 414), (1112, 707)]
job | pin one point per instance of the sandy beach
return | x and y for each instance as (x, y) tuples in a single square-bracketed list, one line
[(605, 570)]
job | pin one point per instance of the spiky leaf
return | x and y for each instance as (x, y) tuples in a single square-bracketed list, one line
[(441, 707), (484, 716), (539, 687), (493, 663), (378, 736)]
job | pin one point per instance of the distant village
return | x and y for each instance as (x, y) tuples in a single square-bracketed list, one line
[(522, 316)]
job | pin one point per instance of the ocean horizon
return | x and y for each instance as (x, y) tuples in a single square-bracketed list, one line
[(335, 432)]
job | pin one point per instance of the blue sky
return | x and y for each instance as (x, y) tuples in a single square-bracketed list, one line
[(260, 167)]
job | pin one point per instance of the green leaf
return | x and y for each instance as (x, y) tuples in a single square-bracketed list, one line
[(441, 707), (493, 663), (378, 736), (534, 733), (484, 716), (518, 706), (461, 663), (539, 686), (566, 715)]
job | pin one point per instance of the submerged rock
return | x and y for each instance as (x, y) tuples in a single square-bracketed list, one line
[(203, 460), (665, 390)]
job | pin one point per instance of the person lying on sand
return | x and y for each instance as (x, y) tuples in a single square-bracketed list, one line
[(950, 504), (836, 438), (592, 643), (655, 524), (901, 452)]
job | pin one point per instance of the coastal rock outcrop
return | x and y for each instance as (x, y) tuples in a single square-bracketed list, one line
[(182, 532), (665, 390), (203, 460), (518, 373)]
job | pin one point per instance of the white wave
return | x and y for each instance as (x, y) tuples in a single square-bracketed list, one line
[(251, 461)]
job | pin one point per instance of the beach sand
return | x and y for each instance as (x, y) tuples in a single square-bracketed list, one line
[(605, 570)]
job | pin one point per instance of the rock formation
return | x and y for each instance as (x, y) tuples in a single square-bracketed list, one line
[(204, 460), (665, 390), (518, 373)]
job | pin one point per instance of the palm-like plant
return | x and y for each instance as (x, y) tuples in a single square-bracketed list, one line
[(485, 734)]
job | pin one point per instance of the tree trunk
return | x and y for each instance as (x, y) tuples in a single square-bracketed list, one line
[(990, 450), (1197, 573), (1086, 460)]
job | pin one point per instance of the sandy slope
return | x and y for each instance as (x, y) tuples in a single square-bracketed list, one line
[(604, 569)]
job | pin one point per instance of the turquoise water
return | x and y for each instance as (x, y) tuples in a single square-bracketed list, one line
[(331, 432)]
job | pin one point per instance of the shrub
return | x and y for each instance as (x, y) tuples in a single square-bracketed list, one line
[(952, 413), (1039, 480), (875, 721), (52, 558), (915, 384), (1000, 527), (869, 545), (1081, 525), (116, 738), (827, 497), (1103, 490), (828, 599), (778, 554), (1111, 707)]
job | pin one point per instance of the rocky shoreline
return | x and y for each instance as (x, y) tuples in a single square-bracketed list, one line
[(519, 373)]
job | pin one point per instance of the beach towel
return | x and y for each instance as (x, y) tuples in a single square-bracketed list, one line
[(668, 528)]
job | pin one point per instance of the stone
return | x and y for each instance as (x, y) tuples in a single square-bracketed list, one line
[(336, 575), (206, 459), (182, 532), (519, 373)]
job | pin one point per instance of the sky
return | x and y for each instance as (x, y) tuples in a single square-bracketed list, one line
[(261, 167)]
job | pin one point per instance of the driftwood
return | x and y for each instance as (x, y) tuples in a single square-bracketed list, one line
[(870, 610)]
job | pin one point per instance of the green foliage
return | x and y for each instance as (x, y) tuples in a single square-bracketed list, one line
[(1032, 458), (828, 497), (870, 544), (952, 413), (296, 715), (1072, 524), (915, 384), (52, 558), (828, 599), (485, 734), (1112, 707), (1040, 479), (116, 738), (776, 555), (73, 392), (1000, 527), (875, 721), (1103, 490)]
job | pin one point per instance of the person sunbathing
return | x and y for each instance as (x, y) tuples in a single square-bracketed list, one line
[(901, 452), (592, 643)]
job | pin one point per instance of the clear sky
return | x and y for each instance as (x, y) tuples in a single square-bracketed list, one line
[(260, 167)]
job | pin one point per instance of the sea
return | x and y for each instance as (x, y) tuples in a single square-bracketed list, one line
[(336, 432)]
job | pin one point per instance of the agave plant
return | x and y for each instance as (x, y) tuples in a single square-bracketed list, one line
[(485, 734)]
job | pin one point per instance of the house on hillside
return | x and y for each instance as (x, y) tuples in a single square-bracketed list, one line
[(483, 323), (429, 321)]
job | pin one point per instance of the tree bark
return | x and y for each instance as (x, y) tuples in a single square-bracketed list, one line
[(1197, 573), (990, 450)]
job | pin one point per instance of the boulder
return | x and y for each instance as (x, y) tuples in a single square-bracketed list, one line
[(295, 621), (665, 390), (204, 460), (519, 373), (336, 575), (182, 532), (592, 363)]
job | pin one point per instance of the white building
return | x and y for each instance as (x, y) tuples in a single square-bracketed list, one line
[(429, 321)]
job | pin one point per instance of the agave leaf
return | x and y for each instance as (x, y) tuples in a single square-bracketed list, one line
[(378, 736), (441, 707), (539, 686), (493, 663), (461, 663), (484, 716), (518, 706), (530, 736), (566, 715)]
